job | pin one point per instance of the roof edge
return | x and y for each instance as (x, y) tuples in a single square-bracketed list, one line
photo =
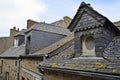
[(83, 73), (19, 57)]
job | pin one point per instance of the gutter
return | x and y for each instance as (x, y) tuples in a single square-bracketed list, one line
[(35, 74), (22, 57), (84, 73)]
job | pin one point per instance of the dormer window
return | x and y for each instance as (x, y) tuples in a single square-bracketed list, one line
[(88, 46), (28, 45), (15, 42), (89, 43), (93, 32)]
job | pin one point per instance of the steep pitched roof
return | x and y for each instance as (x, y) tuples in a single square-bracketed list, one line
[(22, 32), (14, 51), (49, 28), (92, 16), (64, 57), (55, 46), (109, 65), (20, 50)]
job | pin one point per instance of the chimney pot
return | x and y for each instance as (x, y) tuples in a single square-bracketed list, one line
[(13, 31), (18, 29), (14, 28)]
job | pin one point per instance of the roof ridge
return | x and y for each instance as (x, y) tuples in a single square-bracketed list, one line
[(53, 25), (49, 28)]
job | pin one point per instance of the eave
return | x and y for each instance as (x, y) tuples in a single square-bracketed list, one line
[(23, 57), (84, 73)]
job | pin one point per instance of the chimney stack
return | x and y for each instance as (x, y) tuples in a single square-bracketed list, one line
[(30, 23), (67, 20), (13, 31)]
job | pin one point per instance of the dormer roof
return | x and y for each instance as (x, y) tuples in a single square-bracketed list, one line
[(49, 28), (86, 12), (22, 32)]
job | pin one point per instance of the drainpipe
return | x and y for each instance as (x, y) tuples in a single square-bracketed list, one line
[(18, 68)]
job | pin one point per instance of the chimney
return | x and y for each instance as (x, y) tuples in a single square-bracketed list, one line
[(13, 31), (30, 23), (67, 20)]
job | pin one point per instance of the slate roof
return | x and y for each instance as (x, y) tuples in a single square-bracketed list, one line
[(57, 22), (65, 58), (109, 63), (63, 22), (20, 50), (53, 47), (92, 16), (112, 52), (4, 37), (14, 51), (22, 32), (50, 28)]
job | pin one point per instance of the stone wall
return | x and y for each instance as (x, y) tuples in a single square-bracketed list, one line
[(63, 23), (117, 24), (7, 42), (30, 64), (31, 22), (10, 66), (65, 76), (28, 69)]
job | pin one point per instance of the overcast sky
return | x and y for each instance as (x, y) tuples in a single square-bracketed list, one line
[(16, 12)]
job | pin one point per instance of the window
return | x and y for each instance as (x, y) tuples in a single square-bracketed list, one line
[(28, 45), (15, 42), (22, 78), (37, 79), (89, 43), (15, 63), (1, 65), (7, 76)]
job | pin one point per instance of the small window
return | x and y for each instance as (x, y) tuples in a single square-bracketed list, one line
[(90, 43), (1, 65), (15, 63), (22, 78), (36, 79), (7, 75), (15, 42), (28, 44)]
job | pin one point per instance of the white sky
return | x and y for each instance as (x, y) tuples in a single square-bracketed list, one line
[(16, 12)]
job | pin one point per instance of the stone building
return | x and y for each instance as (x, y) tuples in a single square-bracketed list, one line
[(7, 42), (20, 61), (86, 47), (117, 24), (93, 53)]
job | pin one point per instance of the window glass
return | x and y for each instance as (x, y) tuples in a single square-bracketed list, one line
[(89, 43), (15, 42)]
